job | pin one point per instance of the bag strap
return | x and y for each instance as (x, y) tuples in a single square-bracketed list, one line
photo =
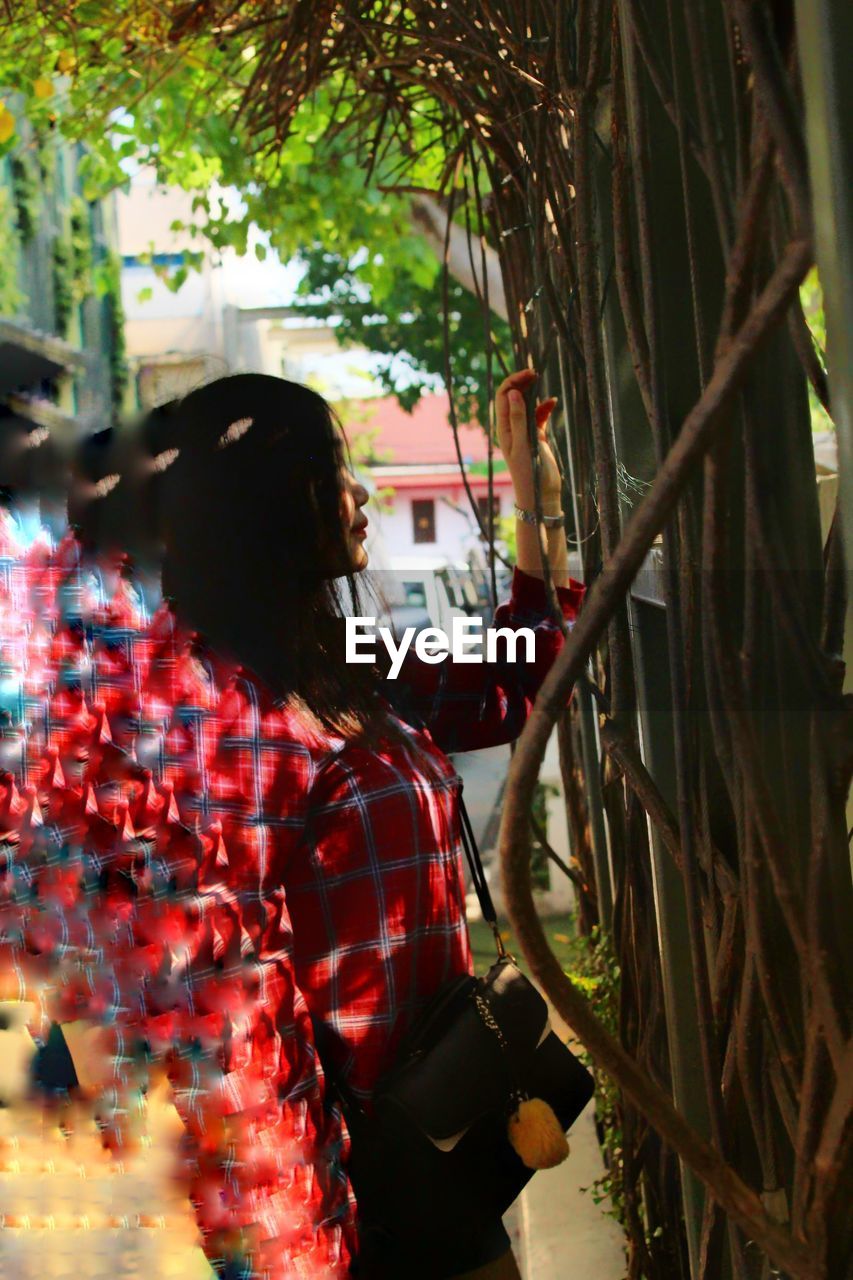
[(401, 702), (478, 876)]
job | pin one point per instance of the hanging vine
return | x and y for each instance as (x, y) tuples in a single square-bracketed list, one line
[(73, 264), (26, 195), (10, 291), (108, 283)]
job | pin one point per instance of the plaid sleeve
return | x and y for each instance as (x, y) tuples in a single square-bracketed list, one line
[(471, 705)]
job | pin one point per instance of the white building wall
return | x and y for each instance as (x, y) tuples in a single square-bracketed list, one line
[(455, 529), (228, 314), (306, 352)]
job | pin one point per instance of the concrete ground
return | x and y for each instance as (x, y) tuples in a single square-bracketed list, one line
[(558, 1231)]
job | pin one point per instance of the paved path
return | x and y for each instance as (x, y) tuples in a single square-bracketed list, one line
[(558, 1230)]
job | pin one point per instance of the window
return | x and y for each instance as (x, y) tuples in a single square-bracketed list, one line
[(483, 508), (414, 595), (423, 519)]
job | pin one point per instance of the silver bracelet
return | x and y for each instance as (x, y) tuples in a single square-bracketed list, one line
[(550, 522)]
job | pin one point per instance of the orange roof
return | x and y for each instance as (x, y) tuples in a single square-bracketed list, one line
[(442, 480), (423, 436)]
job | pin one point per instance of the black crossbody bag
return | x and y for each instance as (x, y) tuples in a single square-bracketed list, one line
[(479, 1081)]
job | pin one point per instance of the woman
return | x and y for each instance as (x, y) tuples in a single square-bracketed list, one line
[(325, 822)]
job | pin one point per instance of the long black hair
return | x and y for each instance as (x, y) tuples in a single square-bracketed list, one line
[(239, 496)]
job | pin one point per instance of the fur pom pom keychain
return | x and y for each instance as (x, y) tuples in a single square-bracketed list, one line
[(536, 1134)]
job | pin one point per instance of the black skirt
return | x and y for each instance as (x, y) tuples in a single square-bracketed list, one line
[(382, 1258)]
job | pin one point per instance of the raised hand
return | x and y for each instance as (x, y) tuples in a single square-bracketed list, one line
[(514, 441)]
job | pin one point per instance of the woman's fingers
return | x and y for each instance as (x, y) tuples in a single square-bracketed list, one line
[(518, 381), (517, 416), (511, 412), (521, 378), (514, 438), (544, 411)]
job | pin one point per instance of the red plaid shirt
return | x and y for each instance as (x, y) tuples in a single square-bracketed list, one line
[(211, 875), (377, 895)]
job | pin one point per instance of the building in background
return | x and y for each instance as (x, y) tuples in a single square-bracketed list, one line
[(62, 370), (233, 313), (174, 339), (412, 459), (236, 314)]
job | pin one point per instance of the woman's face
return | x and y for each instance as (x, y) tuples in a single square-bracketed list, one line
[(353, 498)]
